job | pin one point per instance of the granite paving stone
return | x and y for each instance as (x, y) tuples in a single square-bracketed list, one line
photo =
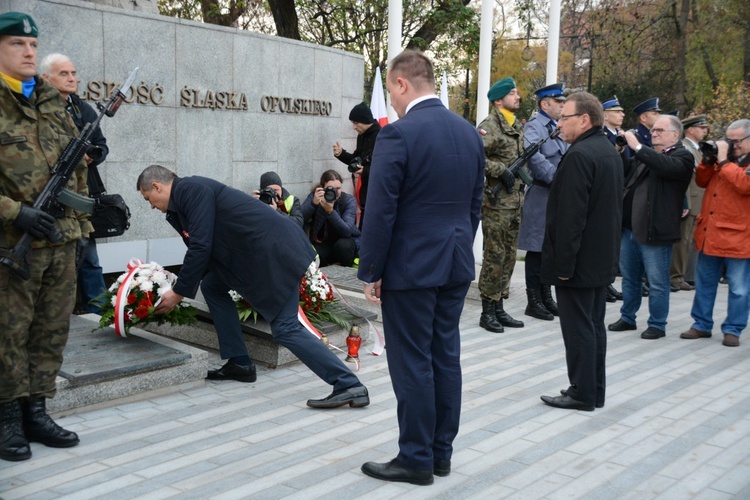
[(676, 424)]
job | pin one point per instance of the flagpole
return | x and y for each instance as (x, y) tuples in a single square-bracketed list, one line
[(485, 56), (553, 44), (395, 19)]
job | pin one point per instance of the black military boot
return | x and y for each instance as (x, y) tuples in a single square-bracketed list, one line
[(547, 300), (504, 318), (40, 428), (13, 443), (487, 320), (535, 308)]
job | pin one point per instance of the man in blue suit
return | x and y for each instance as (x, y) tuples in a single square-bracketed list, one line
[(424, 203), (237, 242)]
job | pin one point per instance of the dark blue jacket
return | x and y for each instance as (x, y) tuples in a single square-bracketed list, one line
[(424, 201), (256, 251)]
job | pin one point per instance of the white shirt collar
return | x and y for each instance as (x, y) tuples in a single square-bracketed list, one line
[(420, 99)]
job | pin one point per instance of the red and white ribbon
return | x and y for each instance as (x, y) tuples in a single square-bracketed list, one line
[(122, 296), (311, 328)]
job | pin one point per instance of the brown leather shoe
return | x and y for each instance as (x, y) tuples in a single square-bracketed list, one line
[(686, 286), (695, 334), (731, 340)]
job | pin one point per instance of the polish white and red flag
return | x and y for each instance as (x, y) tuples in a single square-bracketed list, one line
[(377, 103)]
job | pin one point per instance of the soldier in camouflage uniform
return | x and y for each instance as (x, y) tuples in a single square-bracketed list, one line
[(34, 313), (502, 136)]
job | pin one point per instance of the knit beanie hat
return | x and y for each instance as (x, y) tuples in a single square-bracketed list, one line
[(269, 178), (361, 114)]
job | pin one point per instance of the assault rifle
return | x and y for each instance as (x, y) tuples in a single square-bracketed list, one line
[(54, 193), (516, 168)]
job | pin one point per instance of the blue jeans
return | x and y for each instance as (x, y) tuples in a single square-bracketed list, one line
[(653, 260), (707, 275), (91, 279)]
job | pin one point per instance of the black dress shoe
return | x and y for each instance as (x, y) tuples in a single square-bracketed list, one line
[(566, 403), (652, 333), (356, 397), (599, 404), (621, 325), (394, 471), (613, 291), (441, 468), (609, 297), (232, 371)]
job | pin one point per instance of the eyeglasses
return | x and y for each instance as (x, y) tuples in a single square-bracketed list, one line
[(661, 130), (737, 141), (565, 117)]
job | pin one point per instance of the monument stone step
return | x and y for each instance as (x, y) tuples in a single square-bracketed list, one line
[(100, 367)]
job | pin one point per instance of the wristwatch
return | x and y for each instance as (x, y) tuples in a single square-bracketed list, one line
[(638, 148)]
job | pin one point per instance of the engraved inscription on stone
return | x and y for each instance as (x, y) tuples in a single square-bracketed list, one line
[(274, 104)]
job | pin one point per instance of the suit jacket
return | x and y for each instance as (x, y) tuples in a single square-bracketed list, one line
[(542, 167), (582, 237), (424, 201), (257, 251)]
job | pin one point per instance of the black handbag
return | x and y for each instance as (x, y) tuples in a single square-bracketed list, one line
[(111, 216)]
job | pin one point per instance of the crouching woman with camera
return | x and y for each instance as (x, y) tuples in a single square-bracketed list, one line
[(274, 195), (330, 217)]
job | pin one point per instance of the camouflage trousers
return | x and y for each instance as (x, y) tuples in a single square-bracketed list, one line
[(500, 228), (34, 321)]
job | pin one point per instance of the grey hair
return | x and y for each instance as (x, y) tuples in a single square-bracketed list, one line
[(154, 173), (50, 60), (744, 124), (675, 122)]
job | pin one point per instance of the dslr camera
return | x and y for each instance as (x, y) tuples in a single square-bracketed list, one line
[(267, 195), (621, 141), (354, 164), (709, 150), (330, 194)]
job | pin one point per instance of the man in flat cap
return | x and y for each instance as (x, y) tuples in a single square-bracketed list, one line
[(502, 135), (542, 167), (646, 113), (34, 313), (683, 253)]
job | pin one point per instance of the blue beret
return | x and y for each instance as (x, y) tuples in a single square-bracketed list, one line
[(612, 104), (17, 24), (555, 90), (647, 105), (501, 89)]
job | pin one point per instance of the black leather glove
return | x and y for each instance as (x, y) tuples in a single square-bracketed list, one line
[(508, 179), (82, 247), (35, 222)]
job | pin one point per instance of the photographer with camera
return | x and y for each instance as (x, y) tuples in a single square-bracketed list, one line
[(656, 179), (722, 234), (330, 216), (358, 162), (275, 196)]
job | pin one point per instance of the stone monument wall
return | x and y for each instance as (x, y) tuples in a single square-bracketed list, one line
[(208, 100)]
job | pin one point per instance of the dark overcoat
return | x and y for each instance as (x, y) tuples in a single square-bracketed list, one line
[(584, 215), (258, 252)]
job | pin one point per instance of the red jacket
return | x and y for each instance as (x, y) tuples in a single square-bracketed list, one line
[(723, 226)]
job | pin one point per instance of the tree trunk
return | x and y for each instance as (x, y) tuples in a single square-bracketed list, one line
[(285, 18), (682, 11)]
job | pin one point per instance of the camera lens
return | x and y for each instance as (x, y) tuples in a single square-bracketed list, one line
[(621, 141), (330, 194)]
